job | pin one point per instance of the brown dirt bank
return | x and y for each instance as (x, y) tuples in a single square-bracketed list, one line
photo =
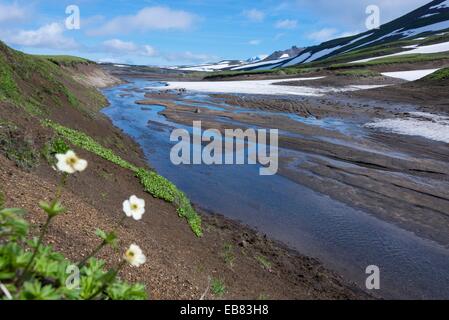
[(343, 81), (179, 264), (428, 96)]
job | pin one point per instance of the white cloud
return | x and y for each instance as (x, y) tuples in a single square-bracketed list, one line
[(323, 34), (188, 56), (254, 15), (117, 49), (279, 36), (326, 34), (352, 12), (287, 24), (11, 12), (254, 42), (109, 60), (128, 47), (149, 51), (149, 18), (119, 45), (50, 36)]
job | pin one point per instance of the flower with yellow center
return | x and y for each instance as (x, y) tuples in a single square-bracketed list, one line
[(135, 256), (134, 207), (70, 163)]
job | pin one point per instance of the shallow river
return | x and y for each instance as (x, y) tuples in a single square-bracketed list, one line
[(344, 239)]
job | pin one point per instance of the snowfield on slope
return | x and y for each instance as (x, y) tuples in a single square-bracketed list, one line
[(412, 75), (434, 48), (427, 125), (442, 5), (263, 87), (211, 67)]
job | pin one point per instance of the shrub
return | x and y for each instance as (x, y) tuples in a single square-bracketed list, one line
[(53, 147), (17, 148), (218, 287), (266, 264)]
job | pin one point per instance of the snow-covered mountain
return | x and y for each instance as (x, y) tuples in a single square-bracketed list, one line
[(221, 65), (430, 19), (211, 67), (282, 54), (257, 58)]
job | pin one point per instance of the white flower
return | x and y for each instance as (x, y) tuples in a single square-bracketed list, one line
[(134, 207), (70, 163), (135, 256)]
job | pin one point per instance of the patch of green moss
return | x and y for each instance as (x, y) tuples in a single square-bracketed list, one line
[(162, 188), (406, 58), (358, 73), (85, 142), (153, 183), (440, 75)]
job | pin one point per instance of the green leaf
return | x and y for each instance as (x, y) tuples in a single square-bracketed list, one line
[(12, 225), (124, 291), (52, 209), (109, 238), (35, 291)]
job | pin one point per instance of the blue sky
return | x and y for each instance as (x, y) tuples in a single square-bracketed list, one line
[(184, 31)]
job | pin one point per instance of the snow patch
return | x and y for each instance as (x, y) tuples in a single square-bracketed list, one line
[(427, 125), (442, 5), (268, 63), (429, 15), (434, 48), (410, 75), (263, 87), (299, 59)]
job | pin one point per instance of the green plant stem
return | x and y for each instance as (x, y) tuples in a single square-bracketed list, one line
[(108, 280), (100, 246), (61, 185), (44, 230), (36, 250), (83, 262)]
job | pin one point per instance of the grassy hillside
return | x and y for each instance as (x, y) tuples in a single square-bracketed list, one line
[(39, 84), (341, 61), (45, 89)]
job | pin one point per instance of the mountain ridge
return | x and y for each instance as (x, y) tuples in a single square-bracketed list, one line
[(427, 20)]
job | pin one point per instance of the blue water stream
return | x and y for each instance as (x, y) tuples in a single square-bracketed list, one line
[(344, 239)]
